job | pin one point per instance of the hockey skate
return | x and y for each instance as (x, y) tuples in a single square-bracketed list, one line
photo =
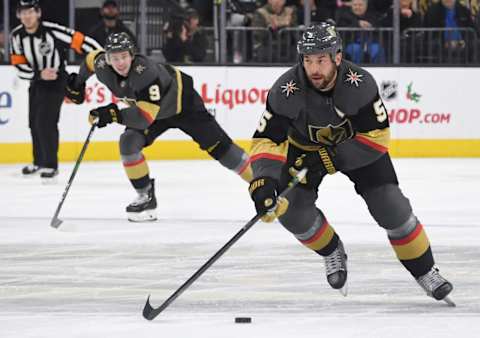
[(48, 175), (436, 286), (336, 269), (30, 170), (143, 208)]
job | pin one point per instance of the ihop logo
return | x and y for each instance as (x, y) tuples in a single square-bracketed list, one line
[(5, 103)]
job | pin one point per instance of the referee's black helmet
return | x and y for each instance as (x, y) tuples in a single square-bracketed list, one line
[(26, 4)]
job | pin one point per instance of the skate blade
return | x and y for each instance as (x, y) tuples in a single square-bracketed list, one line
[(449, 302), (30, 176), (344, 290), (49, 181), (144, 216)]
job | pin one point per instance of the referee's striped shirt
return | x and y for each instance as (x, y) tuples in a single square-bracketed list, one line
[(46, 48)]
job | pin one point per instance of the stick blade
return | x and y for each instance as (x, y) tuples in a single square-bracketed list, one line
[(148, 310), (55, 223)]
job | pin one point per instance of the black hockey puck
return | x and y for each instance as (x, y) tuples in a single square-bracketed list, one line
[(243, 319)]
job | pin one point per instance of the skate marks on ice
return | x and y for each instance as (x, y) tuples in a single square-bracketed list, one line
[(93, 273)]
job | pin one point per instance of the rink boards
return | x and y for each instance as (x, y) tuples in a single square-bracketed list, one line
[(432, 112)]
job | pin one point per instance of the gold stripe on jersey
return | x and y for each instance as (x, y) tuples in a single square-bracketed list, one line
[(378, 139), (149, 110), (266, 148), (90, 60), (304, 147), (179, 90), (246, 172)]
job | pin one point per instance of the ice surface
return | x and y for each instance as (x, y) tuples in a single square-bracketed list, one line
[(91, 277)]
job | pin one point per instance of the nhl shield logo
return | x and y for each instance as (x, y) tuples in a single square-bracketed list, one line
[(389, 90), (45, 48)]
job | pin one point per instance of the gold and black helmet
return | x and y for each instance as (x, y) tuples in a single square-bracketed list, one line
[(119, 42), (320, 38)]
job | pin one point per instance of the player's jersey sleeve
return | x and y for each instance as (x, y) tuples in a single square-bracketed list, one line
[(269, 144), (371, 125)]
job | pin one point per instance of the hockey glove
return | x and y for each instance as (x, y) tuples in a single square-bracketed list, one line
[(74, 91), (319, 163), (263, 191), (104, 115)]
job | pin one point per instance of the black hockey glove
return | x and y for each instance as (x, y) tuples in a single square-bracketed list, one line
[(104, 115), (74, 91), (263, 191)]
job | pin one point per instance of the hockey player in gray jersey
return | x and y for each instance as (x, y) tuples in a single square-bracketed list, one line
[(159, 97), (325, 114)]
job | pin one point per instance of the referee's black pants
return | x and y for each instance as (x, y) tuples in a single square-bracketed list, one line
[(45, 100)]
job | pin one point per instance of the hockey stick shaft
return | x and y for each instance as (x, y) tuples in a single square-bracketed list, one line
[(150, 313), (55, 223)]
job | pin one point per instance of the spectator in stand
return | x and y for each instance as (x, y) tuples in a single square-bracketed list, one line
[(275, 15), (474, 7), (321, 10), (241, 11), (380, 6), (241, 14), (408, 17), (185, 41), (363, 43), (204, 10), (451, 14), (110, 23), (477, 23), (344, 3), (423, 5)]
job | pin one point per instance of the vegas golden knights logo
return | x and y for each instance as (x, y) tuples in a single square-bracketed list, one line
[(331, 135)]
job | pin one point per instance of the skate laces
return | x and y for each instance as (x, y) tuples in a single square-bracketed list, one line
[(431, 281), (141, 198), (335, 261), (48, 170)]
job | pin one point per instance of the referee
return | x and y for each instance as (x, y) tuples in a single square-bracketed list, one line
[(38, 50)]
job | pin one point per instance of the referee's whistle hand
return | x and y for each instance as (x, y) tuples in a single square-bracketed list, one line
[(49, 74)]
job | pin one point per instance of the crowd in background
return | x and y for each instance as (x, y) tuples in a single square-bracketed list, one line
[(355, 16), (265, 31)]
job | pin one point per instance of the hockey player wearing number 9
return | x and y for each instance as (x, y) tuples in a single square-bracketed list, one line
[(325, 114), (159, 97)]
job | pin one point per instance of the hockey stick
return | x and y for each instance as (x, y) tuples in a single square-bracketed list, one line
[(55, 223), (150, 313)]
